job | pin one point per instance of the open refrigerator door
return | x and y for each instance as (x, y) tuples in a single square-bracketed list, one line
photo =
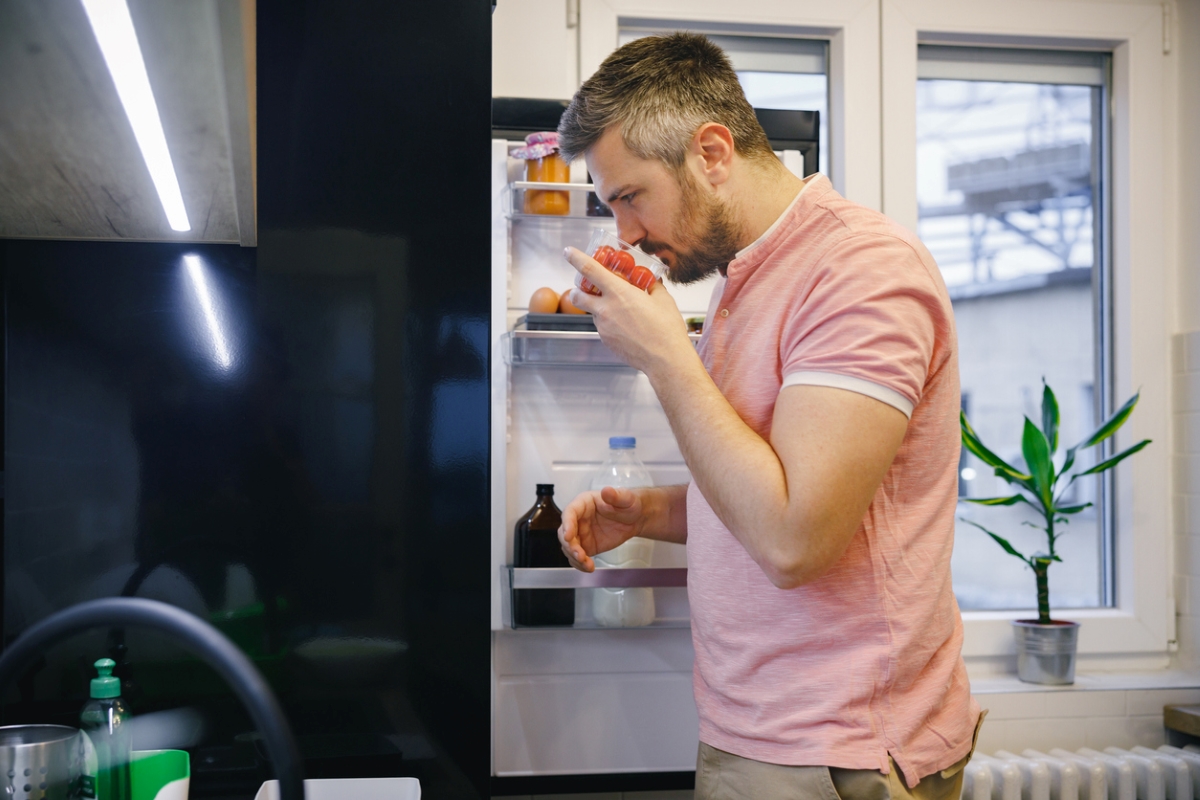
[(593, 697), (602, 695)]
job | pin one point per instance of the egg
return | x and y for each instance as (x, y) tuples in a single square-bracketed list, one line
[(544, 301), (565, 306)]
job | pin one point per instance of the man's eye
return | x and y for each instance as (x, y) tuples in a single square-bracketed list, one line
[(628, 198)]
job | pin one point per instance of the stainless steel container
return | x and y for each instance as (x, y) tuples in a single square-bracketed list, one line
[(40, 762), (1046, 653)]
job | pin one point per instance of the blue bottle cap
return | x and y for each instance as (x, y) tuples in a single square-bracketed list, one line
[(622, 442)]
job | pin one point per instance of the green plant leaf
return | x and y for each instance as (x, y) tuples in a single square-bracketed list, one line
[(996, 501), (1000, 540), (1072, 509), (1003, 470), (1110, 425), (972, 442), (1050, 416), (1109, 463), (1036, 450)]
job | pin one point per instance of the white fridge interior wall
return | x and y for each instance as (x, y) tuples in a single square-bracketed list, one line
[(576, 701), (627, 706)]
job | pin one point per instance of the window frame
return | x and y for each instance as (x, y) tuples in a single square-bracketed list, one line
[(751, 53), (1091, 69), (1137, 630), (872, 142), (851, 28)]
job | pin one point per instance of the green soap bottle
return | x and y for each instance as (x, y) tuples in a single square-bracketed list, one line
[(105, 720)]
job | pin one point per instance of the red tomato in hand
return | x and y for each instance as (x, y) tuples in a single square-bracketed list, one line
[(641, 278), (622, 263), (588, 287), (604, 254)]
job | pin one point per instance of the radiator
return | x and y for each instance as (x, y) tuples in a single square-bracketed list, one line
[(1168, 773)]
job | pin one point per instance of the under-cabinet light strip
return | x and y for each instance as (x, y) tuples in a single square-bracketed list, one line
[(118, 43)]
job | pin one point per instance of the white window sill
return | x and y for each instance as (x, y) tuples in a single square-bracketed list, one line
[(1092, 682)]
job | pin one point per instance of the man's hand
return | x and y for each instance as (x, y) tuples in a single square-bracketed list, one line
[(596, 522), (643, 328)]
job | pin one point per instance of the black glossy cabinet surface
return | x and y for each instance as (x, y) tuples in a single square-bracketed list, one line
[(302, 457)]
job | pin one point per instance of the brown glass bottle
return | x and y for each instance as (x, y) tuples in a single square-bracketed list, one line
[(536, 545)]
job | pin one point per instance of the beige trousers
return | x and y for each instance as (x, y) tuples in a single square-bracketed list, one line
[(724, 776)]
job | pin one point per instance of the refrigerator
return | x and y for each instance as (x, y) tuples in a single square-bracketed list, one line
[(589, 706), (288, 440)]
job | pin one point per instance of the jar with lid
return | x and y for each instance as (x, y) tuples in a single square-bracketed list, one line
[(543, 164)]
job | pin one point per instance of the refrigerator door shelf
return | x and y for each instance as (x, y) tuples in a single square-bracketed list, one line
[(609, 577), (569, 187), (514, 204), (670, 582), (561, 349)]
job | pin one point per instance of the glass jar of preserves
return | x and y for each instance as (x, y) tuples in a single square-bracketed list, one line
[(548, 169), (543, 164)]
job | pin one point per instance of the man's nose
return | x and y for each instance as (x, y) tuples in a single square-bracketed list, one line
[(628, 228)]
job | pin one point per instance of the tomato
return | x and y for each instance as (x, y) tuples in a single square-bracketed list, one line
[(641, 278), (622, 263), (588, 287), (604, 254)]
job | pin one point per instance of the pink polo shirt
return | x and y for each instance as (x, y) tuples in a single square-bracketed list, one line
[(864, 662)]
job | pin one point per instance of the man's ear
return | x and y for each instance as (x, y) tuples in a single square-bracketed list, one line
[(712, 147)]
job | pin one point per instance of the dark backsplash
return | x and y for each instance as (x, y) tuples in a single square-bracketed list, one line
[(321, 480)]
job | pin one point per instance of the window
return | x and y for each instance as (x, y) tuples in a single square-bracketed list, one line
[(1010, 188), (775, 72), (872, 71)]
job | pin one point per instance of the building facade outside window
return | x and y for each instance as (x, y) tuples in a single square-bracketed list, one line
[(1011, 198)]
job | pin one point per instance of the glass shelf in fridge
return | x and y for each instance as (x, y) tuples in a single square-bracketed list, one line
[(561, 349), (578, 204), (669, 579)]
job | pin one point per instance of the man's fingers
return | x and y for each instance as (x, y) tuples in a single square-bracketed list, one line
[(583, 300), (620, 499), (575, 555), (568, 540), (593, 270), (581, 562)]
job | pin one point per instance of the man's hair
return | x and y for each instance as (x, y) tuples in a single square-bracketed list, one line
[(660, 90)]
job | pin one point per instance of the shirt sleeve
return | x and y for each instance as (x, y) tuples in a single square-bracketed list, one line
[(867, 321)]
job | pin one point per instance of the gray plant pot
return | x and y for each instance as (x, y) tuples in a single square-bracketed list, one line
[(1046, 653)]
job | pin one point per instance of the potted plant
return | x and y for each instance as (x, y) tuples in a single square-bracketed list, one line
[(1045, 647)]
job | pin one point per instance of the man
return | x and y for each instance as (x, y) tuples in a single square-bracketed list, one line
[(818, 418)]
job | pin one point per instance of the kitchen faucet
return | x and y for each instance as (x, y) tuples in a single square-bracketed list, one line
[(194, 635)]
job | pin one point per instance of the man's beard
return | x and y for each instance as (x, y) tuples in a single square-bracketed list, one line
[(707, 232)]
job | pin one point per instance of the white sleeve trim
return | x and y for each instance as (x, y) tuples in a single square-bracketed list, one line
[(837, 381)]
